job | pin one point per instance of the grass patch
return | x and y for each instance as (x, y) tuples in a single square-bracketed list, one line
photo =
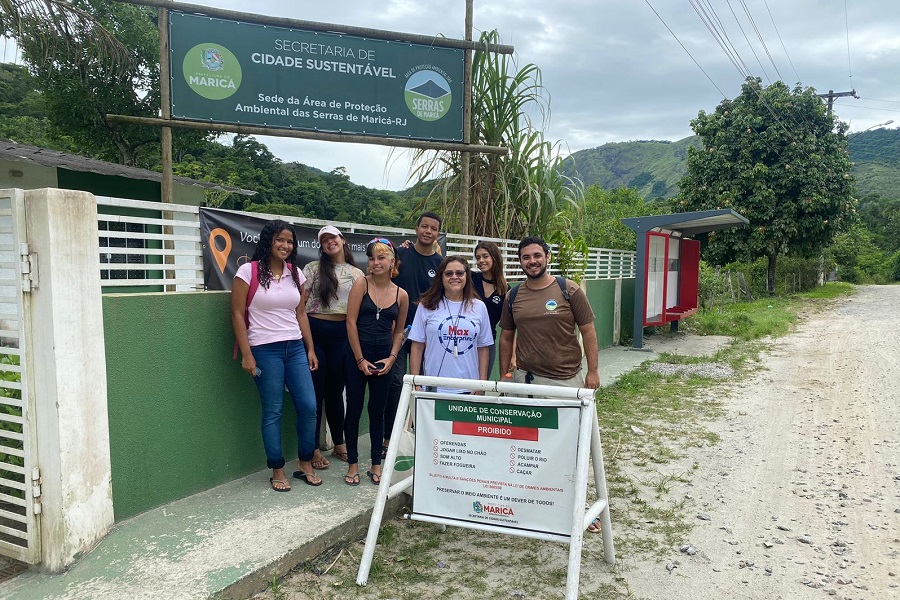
[(771, 317), (830, 291), (766, 317)]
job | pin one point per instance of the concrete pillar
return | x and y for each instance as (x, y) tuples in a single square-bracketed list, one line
[(68, 363)]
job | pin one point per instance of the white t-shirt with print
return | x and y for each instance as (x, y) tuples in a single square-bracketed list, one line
[(452, 333)]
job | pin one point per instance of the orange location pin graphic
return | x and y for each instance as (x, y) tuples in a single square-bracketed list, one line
[(221, 256)]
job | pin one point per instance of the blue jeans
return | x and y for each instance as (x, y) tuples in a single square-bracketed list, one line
[(285, 363)]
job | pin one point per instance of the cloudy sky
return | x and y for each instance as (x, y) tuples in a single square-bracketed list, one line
[(614, 71)]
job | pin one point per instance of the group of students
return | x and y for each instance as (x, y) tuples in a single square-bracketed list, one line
[(331, 327)]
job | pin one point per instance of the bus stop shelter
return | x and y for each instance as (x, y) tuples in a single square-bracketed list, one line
[(667, 286)]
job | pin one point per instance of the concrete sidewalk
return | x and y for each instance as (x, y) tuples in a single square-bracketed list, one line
[(231, 540)]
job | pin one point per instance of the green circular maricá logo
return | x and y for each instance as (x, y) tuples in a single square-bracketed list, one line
[(212, 71), (428, 95)]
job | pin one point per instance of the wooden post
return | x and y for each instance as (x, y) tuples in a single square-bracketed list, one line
[(465, 183), (165, 104)]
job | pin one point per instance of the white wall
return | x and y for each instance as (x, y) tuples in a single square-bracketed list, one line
[(68, 364)]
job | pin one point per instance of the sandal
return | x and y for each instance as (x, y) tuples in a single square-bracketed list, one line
[(308, 478), (352, 479), (321, 463), (595, 527), (284, 483), (384, 450), (374, 477), (340, 456)]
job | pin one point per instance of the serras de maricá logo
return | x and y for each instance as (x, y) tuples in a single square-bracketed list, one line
[(428, 95)]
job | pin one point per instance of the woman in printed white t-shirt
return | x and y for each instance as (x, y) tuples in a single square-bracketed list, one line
[(451, 332), (277, 348)]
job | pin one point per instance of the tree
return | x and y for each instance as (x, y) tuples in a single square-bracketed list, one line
[(603, 210), (522, 191), (60, 25), (858, 258), (775, 156), (882, 218), (91, 58)]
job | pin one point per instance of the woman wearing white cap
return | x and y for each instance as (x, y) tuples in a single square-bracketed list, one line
[(328, 283)]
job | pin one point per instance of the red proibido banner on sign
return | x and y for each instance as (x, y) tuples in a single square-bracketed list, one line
[(497, 431)]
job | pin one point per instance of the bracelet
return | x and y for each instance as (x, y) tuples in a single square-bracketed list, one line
[(360, 360), (392, 355)]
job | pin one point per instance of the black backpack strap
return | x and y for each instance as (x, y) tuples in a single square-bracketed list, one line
[(561, 282), (511, 296)]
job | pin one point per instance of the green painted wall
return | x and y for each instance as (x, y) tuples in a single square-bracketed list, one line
[(117, 186), (602, 296), (109, 185), (183, 416)]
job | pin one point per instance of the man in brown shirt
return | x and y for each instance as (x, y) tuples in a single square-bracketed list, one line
[(547, 347)]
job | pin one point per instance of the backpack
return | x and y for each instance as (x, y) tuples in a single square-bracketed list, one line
[(254, 285), (560, 281)]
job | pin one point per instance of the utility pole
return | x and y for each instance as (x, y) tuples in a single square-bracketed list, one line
[(831, 95)]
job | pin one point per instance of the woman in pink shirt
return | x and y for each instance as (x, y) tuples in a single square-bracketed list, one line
[(276, 347)]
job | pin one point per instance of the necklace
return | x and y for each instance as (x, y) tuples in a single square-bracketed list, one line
[(486, 280), (455, 324), (378, 304)]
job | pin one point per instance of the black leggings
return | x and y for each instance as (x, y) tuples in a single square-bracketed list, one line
[(330, 341), (379, 386)]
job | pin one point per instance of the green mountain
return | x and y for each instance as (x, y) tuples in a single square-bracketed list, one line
[(654, 167)]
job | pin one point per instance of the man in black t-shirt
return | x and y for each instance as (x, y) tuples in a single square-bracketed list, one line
[(418, 265)]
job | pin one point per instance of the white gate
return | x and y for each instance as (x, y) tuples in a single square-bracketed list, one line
[(19, 473)]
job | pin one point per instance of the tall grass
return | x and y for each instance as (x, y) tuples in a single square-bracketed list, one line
[(767, 317)]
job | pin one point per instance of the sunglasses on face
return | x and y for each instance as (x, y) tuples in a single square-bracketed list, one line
[(456, 273)]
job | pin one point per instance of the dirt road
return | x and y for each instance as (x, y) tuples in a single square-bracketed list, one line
[(801, 498)]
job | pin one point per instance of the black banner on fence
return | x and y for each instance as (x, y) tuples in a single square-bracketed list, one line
[(229, 240)]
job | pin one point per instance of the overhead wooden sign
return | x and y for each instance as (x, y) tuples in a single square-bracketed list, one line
[(229, 71)]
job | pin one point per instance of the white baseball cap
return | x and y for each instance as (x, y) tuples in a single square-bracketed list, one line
[(329, 229)]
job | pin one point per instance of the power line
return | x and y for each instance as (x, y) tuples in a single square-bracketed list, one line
[(684, 48), (720, 37), (729, 48), (782, 41), (741, 27), (761, 39), (720, 34), (879, 100), (766, 48), (872, 108), (847, 26)]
